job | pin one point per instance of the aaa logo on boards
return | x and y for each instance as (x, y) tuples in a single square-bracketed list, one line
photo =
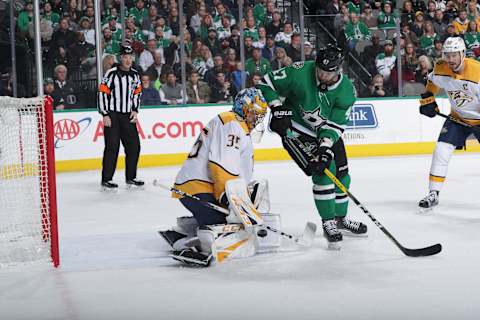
[(68, 129), (362, 116)]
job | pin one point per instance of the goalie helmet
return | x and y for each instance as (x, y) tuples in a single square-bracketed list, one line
[(251, 106), (329, 58)]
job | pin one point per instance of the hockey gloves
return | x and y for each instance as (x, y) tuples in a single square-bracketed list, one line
[(318, 165), (281, 120), (428, 105)]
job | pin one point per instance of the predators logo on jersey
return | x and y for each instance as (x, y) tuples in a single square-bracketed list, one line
[(460, 97)]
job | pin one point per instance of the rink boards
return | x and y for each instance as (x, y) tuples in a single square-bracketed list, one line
[(377, 127)]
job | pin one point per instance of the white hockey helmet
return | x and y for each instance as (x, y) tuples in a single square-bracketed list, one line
[(454, 44)]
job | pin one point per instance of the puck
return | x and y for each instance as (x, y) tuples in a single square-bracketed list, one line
[(262, 233)]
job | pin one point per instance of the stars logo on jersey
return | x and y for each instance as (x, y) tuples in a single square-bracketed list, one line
[(459, 97), (313, 118)]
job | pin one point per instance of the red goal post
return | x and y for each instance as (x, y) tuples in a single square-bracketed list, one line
[(28, 203)]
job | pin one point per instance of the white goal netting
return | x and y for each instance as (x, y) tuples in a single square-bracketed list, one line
[(25, 222)]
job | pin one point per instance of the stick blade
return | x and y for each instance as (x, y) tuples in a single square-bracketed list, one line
[(423, 252), (308, 234)]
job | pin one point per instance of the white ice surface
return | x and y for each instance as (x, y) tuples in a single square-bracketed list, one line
[(115, 266)]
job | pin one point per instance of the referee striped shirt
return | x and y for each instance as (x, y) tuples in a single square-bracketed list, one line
[(119, 91)]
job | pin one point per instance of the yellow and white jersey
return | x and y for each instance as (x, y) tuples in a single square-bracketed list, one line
[(463, 89), (223, 151)]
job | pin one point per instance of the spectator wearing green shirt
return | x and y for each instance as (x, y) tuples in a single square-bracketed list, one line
[(257, 64), (25, 17), (356, 31), (167, 31), (49, 15), (207, 23), (160, 38), (137, 34), (260, 10), (428, 37), (387, 18), (114, 27), (472, 39), (250, 29), (139, 12), (110, 45), (221, 13)]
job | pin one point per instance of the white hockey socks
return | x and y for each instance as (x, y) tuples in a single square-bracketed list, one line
[(440, 159)]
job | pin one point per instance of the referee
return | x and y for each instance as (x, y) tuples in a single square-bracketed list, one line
[(118, 102)]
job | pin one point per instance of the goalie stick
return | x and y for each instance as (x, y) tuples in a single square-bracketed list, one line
[(305, 240), (421, 252)]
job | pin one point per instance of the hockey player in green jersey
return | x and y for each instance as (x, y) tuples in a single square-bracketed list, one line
[(311, 103)]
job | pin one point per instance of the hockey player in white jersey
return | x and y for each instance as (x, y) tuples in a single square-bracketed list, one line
[(223, 152), (460, 78)]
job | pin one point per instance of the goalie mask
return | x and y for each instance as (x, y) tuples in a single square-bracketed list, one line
[(251, 106)]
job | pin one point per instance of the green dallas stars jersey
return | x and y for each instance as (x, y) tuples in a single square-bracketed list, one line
[(323, 114)]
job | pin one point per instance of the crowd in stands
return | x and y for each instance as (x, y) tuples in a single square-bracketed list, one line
[(212, 45), (368, 31)]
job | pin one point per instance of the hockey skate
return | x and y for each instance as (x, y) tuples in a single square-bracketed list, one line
[(135, 184), (351, 228), (430, 201), (177, 240), (192, 258), (332, 234), (109, 186)]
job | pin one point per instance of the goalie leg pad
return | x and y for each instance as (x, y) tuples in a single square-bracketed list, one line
[(259, 194), (235, 243), (268, 240)]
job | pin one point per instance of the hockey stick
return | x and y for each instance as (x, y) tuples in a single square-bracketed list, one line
[(421, 252), (457, 121), (307, 237)]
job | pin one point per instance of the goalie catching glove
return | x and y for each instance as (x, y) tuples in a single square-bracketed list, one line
[(428, 105)]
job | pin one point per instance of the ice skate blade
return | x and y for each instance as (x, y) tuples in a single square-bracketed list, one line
[(334, 246), (349, 234), (108, 190), (134, 187), (425, 210)]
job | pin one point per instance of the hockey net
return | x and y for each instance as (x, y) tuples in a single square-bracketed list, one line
[(28, 217)]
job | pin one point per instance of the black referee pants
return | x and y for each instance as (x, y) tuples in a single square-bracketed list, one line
[(126, 132)]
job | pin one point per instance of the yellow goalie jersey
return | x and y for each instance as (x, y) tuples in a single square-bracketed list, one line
[(463, 89), (223, 151)]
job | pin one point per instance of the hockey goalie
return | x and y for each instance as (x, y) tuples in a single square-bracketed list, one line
[(216, 172)]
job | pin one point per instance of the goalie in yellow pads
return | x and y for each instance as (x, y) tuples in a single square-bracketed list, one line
[(223, 152), (460, 78)]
